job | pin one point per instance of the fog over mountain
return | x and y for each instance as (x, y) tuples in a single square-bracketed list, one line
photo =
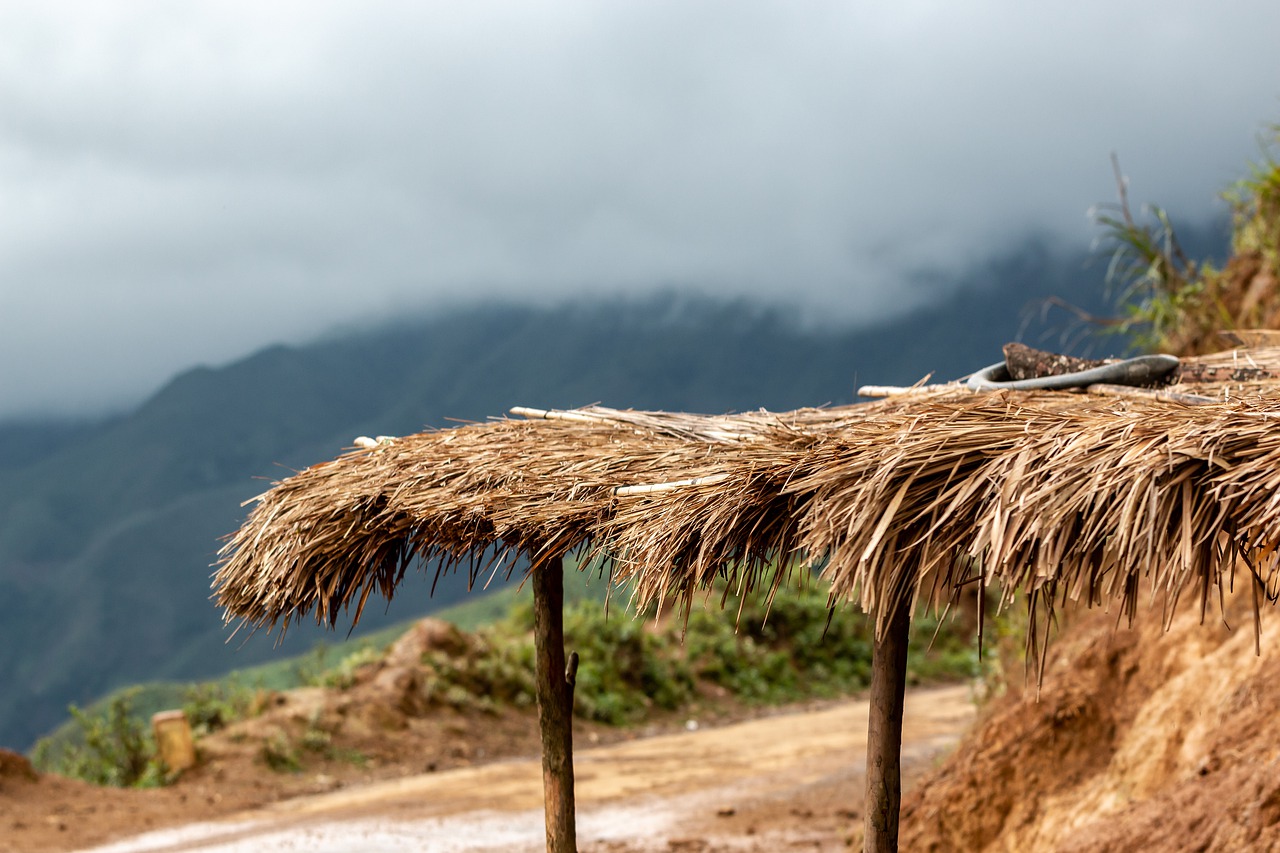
[(184, 183), (108, 529)]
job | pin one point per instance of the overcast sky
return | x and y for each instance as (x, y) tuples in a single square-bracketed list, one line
[(184, 182)]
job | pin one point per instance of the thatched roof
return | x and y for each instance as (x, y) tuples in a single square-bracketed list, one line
[(1048, 493)]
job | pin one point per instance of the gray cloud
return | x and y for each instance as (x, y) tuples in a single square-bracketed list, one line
[(180, 183)]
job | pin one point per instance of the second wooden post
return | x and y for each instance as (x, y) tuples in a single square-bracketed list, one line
[(884, 731)]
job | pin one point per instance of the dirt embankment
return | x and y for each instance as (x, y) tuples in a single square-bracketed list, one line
[(1140, 740)]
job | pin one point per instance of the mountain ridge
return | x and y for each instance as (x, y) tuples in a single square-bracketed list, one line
[(106, 539)]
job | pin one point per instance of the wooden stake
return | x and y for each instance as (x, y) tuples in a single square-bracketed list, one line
[(555, 706), (884, 731)]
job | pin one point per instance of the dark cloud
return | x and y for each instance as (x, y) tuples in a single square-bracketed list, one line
[(183, 182)]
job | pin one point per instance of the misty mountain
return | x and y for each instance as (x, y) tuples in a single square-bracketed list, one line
[(108, 529)]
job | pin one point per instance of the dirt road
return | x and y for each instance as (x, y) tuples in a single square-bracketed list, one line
[(787, 781)]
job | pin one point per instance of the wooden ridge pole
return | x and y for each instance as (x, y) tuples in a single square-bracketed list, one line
[(884, 731), (555, 705)]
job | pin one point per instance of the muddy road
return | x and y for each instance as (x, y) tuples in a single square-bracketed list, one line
[(791, 781)]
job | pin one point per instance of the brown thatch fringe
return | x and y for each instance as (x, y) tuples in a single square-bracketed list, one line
[(1059, 496)]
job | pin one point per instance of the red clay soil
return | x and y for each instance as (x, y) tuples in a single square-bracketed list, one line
[(790, 780), (45, 813), (384, 727), (1140, 740), (378, 729)]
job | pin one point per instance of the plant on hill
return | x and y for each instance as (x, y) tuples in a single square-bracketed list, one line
[(1157, 286), (114, 748), (1175, 304), (630, 669), (213, 705), (759, 654)]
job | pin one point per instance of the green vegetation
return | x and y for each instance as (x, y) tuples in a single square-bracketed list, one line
[(213, 705), (114, 748), (1175, 304), (1158, 286), (284, 754), (630, 669), (280, 754), (1255, 202)]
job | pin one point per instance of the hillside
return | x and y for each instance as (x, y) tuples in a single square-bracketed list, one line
[(437, 699), (107, 530)]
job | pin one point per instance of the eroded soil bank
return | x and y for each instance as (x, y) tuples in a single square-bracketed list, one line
[(1140, 739)]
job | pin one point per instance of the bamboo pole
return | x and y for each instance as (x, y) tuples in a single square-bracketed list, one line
[(884, 731), (880, 391), (555, 706), (708, 480)]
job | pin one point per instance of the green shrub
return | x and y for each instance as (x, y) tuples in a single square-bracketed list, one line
[(624, 667), (310, 669), (792, 650), (214, 705), (343, 676), (629, 667), (500, 672), (112, 748), (316, 740), (280, 754)]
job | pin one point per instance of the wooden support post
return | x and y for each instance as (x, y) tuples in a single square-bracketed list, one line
[(555, 706), (884, 732)]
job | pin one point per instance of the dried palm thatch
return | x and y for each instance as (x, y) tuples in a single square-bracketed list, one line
[(1057, 495), (327, 537)]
